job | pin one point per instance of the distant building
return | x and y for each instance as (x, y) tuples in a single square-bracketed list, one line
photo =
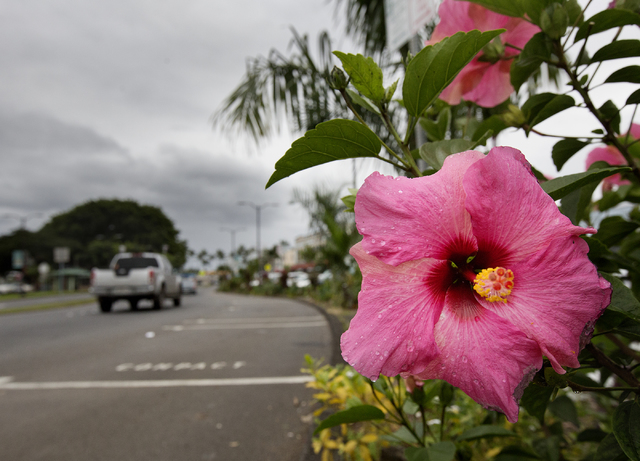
[(290, 256)]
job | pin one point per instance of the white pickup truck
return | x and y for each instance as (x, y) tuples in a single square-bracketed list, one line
[(136, 276)]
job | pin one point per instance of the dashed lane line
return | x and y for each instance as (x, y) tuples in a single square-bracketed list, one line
[(7, 383)]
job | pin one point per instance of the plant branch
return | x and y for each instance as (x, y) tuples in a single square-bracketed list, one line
[(610, 136), (606, 362), (623, 347)]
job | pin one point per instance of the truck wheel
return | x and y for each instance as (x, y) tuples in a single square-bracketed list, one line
[(158, 301), (134, 304), (105, 304)]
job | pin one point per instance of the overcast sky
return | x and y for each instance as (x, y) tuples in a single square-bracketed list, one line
[(114, 100)]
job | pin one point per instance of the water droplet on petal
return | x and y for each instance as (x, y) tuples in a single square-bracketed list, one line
[(464, 359), (379, 316), (373, 240), (410, 346), (400, 192)]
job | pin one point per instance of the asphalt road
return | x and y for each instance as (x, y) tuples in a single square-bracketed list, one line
[(216, 379)]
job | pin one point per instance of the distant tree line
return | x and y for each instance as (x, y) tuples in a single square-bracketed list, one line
[(94, 232)]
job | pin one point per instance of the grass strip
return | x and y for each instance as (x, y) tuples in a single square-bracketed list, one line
[(47, 306)]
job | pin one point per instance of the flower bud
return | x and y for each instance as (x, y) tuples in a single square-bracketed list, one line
[(554, 21), (338, 80), (513, 116), (493, 51)]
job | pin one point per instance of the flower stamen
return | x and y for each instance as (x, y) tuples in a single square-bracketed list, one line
[(495, 284)]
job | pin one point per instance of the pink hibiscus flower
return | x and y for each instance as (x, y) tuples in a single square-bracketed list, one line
[(470, 275), (485, 81), (612, 156)]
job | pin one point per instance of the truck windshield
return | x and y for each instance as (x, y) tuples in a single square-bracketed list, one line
[(136, 263)]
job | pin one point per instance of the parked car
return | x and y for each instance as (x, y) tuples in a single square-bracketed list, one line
[(298, 279), (14, 287), (189, 285), (136, 276)]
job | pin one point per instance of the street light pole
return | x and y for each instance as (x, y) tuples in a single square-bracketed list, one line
[(258, 208), (233, 236)]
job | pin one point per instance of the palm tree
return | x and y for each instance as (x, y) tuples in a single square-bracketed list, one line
[(297, 86)]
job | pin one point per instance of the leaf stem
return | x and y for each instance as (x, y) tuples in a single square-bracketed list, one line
[(406, 166)]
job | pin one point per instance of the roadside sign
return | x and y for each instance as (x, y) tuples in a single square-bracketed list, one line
[(17, 259), (404, 18), (61, 255)]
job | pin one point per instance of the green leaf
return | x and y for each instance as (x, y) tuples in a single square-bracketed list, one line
[(617, 50), (535, 52), (535, 400), (350, 200), (485, 431), (351, 415), (609, 450), (622, 298), (328, 141), (362, 101), (564, 149), (612, 114), (591, 435), (564, 408), (416, 454), (442, 451), (435, 153), (634, 98), (576, 205), (365, 75), (515, 453), (495, 124), (541, 106), (605, 20), (437, 130), (559, 187), (513, 8), (548, 447), (435, 67), (626, 428), (614, 228), (630, 74)]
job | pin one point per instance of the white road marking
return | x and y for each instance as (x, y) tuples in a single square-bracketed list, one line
[(315, 318), (7, 383), (166, 366), (245, 326)]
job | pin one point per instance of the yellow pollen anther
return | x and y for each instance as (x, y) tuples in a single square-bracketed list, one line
[(495, 284)]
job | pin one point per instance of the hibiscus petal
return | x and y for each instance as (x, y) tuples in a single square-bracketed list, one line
[(612, 156), (493, 87), (518, 33), (392, 331), (454, 17), (465, 82), (404, 219), (482, 354), (557, 294), (517, 218)]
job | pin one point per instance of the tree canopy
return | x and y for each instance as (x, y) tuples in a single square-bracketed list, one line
[(94, 232)]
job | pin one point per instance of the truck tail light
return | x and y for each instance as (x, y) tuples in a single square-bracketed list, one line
[(152, 277), (92, 278)]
